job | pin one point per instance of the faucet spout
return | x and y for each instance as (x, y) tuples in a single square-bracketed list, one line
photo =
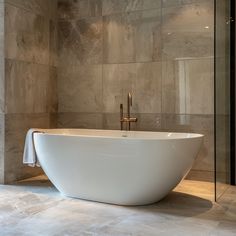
[(129, 104)]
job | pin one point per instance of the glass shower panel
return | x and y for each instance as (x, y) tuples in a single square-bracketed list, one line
[(222, 96)]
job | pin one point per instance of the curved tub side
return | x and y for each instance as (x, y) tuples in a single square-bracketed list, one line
[(125, 172)]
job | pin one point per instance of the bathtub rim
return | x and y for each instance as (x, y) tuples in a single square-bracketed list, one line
[(165, 137)]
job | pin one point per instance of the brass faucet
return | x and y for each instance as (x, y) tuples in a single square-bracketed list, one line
[(127, 119)]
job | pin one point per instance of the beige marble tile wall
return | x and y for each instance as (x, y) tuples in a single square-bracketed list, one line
[(160, 50), (2, 146), (30, 78), (2, 91)]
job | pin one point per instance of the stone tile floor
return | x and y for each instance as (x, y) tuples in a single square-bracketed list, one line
[(35, 207)]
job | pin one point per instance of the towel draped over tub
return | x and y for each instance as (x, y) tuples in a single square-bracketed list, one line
[(30, 156)]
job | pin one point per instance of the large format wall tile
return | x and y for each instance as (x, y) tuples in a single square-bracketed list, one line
[(70, 9), (26, 87), (2, 147), (80, 42), (188, 31), (199, 86), (118, 80), (27, 36), (132, 37), (80, 120), (52, 93), (16, 128), (2, 83), (42, 7), (188, 86), (173, 87), (118, 6), (82, 91), (53, 43), (143, 80), (2, 60), (147, 88)]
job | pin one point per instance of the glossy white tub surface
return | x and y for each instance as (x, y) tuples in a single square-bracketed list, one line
[(118, 167)]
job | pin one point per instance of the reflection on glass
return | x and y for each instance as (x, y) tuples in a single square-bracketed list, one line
[(222, 98)]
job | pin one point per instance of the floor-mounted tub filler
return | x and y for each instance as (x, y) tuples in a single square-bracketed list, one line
[(118, 167)]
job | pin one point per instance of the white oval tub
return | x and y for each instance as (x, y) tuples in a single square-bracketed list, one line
[(118, 167)]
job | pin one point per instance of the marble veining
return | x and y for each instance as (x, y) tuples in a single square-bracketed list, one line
[(113, 6), (35, 207), (40, 7), (29, 82), (80, 41), (70, 9), (132, 37), (27, 36)]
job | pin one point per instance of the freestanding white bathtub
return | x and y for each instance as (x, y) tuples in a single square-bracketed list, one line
[(119, 167)]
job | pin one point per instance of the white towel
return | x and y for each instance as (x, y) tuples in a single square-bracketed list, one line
[(30, 156)]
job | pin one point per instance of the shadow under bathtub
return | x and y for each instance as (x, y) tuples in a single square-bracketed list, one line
[(175, 203), (181, 204)]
